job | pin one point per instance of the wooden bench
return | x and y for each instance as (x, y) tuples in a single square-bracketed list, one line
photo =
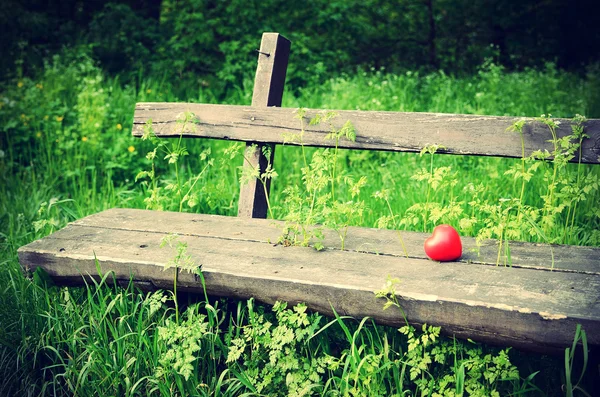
[(526, 306)]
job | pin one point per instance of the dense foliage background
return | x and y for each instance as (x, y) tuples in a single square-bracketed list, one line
[(214, 40)]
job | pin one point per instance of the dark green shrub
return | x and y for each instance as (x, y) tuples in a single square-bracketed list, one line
[(122, 39)]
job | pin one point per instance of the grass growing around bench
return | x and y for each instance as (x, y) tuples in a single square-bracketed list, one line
[(67, 152)]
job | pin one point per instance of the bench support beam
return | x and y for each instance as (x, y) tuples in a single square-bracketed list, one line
[(268, 91)]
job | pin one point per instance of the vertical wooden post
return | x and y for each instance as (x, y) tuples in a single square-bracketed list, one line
[(268, 91)]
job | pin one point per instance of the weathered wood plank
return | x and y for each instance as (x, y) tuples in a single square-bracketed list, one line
[(268, 91), (269, 81), (522, 307), (391, 131), (376, 241)]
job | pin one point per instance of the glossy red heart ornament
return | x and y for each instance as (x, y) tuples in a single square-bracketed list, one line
[(444, 244)]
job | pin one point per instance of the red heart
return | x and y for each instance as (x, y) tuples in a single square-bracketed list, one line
[(444, 244)]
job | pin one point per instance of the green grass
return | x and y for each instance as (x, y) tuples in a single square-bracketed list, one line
[(67, 152)]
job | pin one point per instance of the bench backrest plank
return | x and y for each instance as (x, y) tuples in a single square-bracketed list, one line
[(390, 131)]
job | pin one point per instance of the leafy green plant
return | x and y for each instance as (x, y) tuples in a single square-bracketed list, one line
[(513, 218), (388, 292), (180, 261), (180, 191), (440, 367), (274, 352), (313, 203), (182, 340), (438, 180), (564, 190)]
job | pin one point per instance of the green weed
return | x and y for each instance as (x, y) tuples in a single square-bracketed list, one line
[(314, 201)]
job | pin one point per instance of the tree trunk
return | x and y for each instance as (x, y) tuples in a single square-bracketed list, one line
[(433, 61)]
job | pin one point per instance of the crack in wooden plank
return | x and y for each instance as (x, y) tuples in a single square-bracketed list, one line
[(466, 262)]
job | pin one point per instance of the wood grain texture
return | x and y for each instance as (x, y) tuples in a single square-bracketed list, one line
[(525, 307), (269, 81), (375, 241), (391, 131), (268, 91)]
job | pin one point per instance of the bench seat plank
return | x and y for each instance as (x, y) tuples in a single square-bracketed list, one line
[(526, 306), (390, 131), (377, 241)]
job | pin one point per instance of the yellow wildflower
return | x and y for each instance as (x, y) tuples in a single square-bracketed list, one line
[(38, 134), (46, 117), (119, 127), (59, 118), (20, 84), (85, 139), (131, 149), (39, 86), (148, 91)]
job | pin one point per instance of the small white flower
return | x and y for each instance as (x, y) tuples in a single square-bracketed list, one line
[(1, 154)]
